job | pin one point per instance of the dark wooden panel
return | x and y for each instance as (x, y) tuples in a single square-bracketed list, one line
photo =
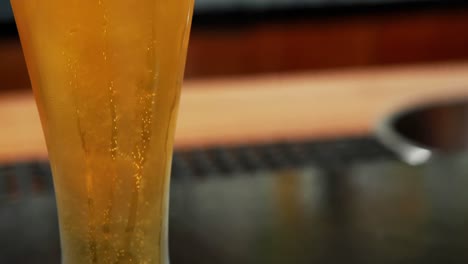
[(426, 37), (305, 44), (13, 72), (412, 37)]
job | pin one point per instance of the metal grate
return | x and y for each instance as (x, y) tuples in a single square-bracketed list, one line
[(282, 155), (22, 179)]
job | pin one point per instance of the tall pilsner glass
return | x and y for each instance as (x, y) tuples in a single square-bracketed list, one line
[(106, 75)]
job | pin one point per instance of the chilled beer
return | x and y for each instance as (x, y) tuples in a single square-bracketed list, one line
[(106, 75)]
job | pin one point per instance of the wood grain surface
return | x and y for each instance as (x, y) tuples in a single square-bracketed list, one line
[(268, 108)]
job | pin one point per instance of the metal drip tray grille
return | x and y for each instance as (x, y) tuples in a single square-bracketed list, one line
[(35, 176), (277, 156), (23, 179)]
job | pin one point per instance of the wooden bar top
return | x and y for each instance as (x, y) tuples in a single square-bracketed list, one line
[(267, 108)]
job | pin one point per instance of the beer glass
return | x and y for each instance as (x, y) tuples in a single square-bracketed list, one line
[(106, 76)]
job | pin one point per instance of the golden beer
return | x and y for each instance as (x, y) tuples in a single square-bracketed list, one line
[(106, 75)]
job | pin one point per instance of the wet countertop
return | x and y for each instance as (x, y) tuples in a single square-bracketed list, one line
[(266, 108)]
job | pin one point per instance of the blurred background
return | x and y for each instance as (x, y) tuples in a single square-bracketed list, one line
[(278, 159)]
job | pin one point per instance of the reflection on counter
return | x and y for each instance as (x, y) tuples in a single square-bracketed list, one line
[(383, 212), (363, 211)]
